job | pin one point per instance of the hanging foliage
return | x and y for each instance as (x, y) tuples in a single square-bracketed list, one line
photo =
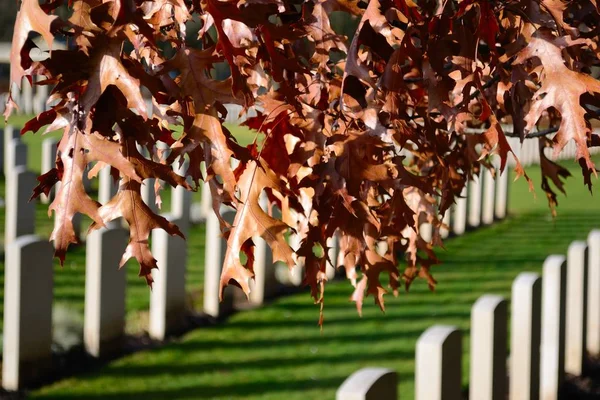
[(364, 137)]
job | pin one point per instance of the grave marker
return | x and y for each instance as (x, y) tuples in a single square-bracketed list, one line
[(474, 218), (552, 349), (27, 336), (459, 219), (488, 348), (439, 364), (526, 311), (576, 308), (104, 322), (593, 327), (49, 150), (216, 248), (20, 213), (489, 183), (168, 296), (370, 384)]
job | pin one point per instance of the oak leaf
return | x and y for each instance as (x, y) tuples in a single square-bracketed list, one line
[(250, 220), (562, 89), (129, 205)]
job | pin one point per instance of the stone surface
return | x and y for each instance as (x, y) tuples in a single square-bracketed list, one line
[(20, 213), (576, 308), (26, 97), (501, 206), (8, 133), (593, 327), (27, 336), (265, 284), (526, 312), (168, 296), (49, 149), (107, 187), (488, 202), (295, 275), (439, 364), (445, 231), (459, 218), (149, 195), (552, 348), (201, 209), (334, 244), (181, 200), (370, 384), (488, 348), (104, 321), (15, 156), (216, 247), (474, 209)]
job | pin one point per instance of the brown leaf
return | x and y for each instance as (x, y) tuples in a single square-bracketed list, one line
[(71, 197), (562, 89), (106, 69), (128, 203), (30, 18), (251, 220)]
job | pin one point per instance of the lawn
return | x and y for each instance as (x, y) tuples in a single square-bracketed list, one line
[(278, 352), (69, 281)]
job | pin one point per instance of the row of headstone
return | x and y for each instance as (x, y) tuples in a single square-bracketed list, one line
[(482, 201), (555, 325), (528, 152)]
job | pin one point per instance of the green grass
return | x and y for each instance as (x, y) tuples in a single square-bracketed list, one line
[(278, 352), (69, 281)]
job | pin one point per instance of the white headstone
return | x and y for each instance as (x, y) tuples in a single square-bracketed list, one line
[(426, 231), (526, 314), (8, 133), (334, 244), (168, 296), (27, 336), (552, 349), (20, 213), (16, 156), (200, 210), (26, 97), (459, 219), (370, 384), (576, 303), (104, 322), (39, 100), (295, 275), (215, 255), (502, 194), (107, 187), (474, 218), (445, 230), (181, 200), (488, 348), (147, 190), (49, 149), (149, 195), (439, 364), (265, 283), (487, 211), (593, 327)]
